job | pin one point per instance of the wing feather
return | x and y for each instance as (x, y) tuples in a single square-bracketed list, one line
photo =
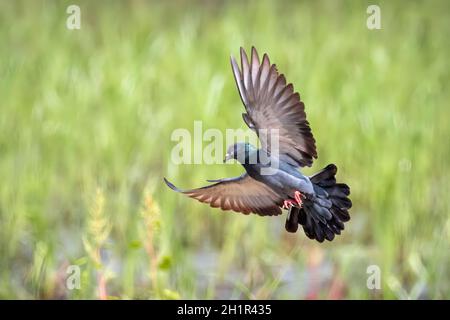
[(270, 103), (241, 194)]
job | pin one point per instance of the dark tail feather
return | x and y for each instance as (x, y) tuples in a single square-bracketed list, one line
[(323, 216)]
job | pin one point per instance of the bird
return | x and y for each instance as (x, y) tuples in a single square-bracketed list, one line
[(317, 203)]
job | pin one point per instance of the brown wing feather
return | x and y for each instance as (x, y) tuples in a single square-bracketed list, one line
[(241, 194), (271, 104)]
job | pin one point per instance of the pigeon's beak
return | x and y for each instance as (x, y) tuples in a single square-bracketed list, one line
[(227, 157)]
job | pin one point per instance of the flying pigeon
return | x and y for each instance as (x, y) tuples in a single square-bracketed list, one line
[(317, 203)]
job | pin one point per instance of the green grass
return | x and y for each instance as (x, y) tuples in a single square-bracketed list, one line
[(86, 118)]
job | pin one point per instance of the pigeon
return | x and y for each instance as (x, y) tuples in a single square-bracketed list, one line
[(273, 109)]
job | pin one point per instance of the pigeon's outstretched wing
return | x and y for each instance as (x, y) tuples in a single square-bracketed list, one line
[(241, 194), (272, 104)]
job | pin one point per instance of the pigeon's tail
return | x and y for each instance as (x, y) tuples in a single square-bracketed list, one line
[(323, 215)]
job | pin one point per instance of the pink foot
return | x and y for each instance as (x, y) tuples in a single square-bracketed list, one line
[(287, 204), (298, 197), (298, 202)]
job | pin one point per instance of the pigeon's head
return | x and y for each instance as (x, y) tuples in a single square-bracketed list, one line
[(239, 151)]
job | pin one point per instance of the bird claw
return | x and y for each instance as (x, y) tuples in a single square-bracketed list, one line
[(298, 197), (287, 204)]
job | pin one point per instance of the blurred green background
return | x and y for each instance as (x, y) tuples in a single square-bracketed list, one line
[(86, 118)]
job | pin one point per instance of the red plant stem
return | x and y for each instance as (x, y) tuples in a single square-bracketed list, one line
[(102, 294), (101, 284)]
